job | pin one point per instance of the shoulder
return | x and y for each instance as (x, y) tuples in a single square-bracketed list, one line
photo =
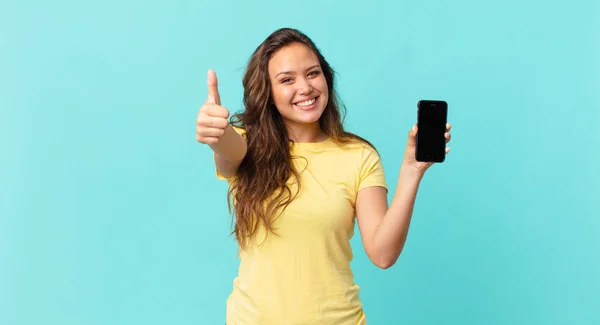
[(370, 167), (362, 153), (360, 147)]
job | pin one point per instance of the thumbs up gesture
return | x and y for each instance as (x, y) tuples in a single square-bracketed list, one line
[(212, 118)]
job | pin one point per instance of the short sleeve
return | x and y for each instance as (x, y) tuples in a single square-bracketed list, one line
[(371, 170), (220, 176)]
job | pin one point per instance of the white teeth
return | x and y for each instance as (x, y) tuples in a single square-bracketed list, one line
[(306, 102)]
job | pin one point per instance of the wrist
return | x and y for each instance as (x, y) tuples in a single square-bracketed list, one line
[(411, 172)]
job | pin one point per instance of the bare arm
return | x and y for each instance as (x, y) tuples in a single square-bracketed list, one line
[(384, 229), (229, 152), (213, 129)]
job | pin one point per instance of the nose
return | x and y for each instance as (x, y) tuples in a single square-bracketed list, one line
[(304, 86)]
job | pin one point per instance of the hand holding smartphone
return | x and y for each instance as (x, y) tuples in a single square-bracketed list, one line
[(432, 116)]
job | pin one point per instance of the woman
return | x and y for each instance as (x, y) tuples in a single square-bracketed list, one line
[(298, 183)]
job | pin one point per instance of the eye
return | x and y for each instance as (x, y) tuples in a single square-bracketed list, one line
[(314, 73), (286, 80)]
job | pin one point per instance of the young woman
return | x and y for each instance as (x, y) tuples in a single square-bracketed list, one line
[(298, 182)]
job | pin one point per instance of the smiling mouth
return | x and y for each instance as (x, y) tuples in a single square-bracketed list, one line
[(307, 103)]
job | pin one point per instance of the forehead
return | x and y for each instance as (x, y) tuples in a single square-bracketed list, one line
[(294, 57)]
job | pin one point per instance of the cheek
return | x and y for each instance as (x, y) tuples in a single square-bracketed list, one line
[(322, 86), (283, 95)]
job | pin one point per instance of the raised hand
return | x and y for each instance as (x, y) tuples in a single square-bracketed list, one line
[(409, 155), (212, 118)]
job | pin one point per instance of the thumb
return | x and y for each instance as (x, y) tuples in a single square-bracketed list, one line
[(412, 135), (213, 88)]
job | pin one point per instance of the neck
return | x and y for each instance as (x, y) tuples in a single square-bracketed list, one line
[(305, 133)]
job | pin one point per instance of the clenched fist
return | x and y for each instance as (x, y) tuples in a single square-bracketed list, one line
[(212, 118)]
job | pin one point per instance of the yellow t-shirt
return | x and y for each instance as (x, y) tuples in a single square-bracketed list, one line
[(302, 275)]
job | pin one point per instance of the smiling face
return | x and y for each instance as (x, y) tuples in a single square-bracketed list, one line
[(298, 87)]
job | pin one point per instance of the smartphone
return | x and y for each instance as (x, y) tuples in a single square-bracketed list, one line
[(432, 116)]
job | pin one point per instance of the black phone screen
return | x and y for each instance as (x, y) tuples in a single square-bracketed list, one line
[(431, 123)]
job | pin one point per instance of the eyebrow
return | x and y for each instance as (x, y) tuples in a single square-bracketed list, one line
[(289, 72)]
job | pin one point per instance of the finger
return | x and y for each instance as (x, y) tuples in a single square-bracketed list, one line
[(208, 140), (412, 135), (448, 136), (216, 111), (414, 130), (218, 122), (448, 126), (206, 121), (447, 150), (213, 88), (211, 132)]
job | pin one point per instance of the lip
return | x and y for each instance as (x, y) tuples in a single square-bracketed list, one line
[(306, 108)]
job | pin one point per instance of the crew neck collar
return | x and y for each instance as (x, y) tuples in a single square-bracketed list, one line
[(324, 143)]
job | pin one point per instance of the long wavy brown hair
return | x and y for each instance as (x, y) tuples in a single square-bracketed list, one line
[(260, 188)]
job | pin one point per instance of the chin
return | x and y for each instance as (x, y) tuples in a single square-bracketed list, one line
[(303, 119), (308, 117)]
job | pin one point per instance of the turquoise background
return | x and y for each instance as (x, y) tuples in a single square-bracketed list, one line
[(110, 212)]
